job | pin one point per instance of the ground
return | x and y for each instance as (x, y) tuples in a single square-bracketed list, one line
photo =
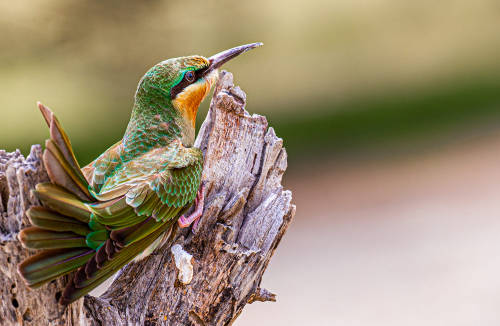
[(409, 241)]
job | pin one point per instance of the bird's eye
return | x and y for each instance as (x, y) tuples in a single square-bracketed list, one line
[(189, 76)]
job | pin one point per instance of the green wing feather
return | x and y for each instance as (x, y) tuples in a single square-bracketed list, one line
[(59, 159), (95, 272), (51, 220), (51, 264), (62, 201), (38, 238), (95, 230)]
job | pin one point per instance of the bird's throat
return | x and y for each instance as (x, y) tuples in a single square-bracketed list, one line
[(188, 101), (152, 127)]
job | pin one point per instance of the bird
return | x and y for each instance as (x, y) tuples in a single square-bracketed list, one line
[(94, 220)]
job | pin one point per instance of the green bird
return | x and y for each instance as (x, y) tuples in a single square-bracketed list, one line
[(95, 220)]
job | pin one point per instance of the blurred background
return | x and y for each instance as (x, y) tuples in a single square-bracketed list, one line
[(389, 109)]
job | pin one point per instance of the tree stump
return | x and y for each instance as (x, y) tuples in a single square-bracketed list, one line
[(204, 277)]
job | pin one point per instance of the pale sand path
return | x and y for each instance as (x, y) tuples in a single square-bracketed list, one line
[(408, 242)]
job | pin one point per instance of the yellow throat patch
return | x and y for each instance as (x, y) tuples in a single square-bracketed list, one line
[(188, 101)]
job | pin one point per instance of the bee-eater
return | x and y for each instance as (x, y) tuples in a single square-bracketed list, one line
[(95, 220)]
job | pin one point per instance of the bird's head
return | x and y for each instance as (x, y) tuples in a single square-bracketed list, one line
[(182, 83)]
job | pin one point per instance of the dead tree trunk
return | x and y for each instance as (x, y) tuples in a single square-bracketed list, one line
[(202, 278)]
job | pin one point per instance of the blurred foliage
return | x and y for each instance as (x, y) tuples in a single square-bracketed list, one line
[(334, 77), (395, 122)]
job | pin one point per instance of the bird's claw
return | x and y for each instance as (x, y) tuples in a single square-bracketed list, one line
[(199, 201)]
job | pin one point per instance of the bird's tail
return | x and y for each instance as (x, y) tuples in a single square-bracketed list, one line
[(62, 227), (68, 232)]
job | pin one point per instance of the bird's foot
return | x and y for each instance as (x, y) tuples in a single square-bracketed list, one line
[(184, 221)]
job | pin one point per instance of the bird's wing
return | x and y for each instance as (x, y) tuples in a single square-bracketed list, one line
[(99, 169), (149, 188), (98, 233), (136, 216)]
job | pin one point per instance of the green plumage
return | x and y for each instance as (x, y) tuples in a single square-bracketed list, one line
[(96, 219)]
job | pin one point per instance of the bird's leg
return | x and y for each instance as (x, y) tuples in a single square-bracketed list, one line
[(196, 214)]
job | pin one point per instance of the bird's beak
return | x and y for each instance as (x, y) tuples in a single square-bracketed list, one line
[(220, 58)]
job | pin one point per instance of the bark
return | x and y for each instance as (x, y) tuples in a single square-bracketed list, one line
[(194, 278)]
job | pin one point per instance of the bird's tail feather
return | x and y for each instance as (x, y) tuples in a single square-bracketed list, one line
[(59, 159), (62, 228)]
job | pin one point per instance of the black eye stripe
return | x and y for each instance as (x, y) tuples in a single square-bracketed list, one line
[(189, 77)]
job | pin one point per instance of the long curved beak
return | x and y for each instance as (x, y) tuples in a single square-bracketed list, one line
[(220, 58)]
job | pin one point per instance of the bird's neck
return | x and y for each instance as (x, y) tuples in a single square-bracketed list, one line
[(154, 123)]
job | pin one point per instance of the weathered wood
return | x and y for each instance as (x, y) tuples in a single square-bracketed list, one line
[(245, 216)]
